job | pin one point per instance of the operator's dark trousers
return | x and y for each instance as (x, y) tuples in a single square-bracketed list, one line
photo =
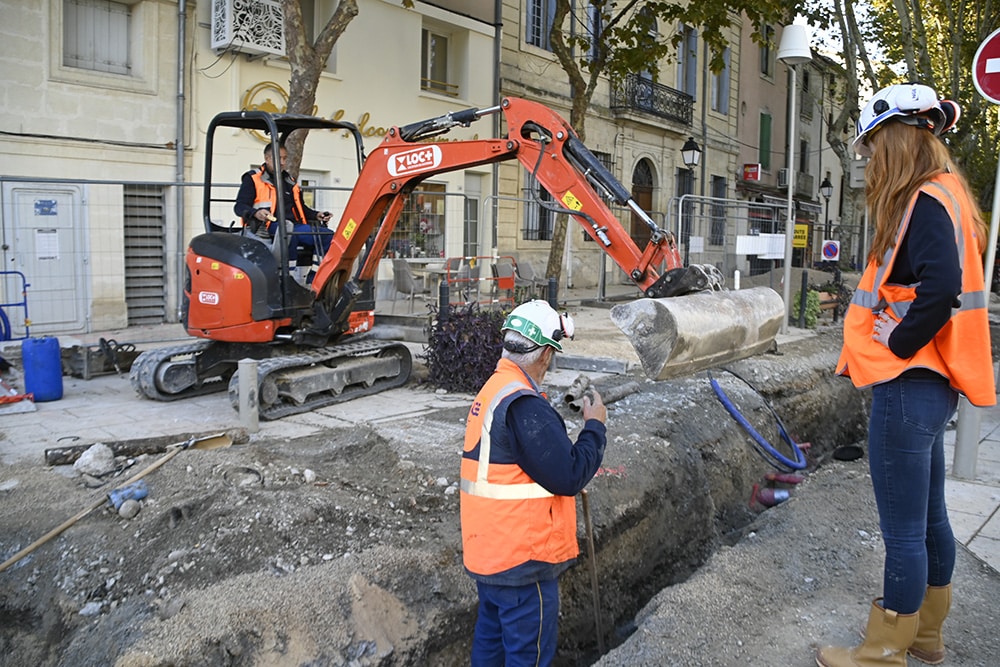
[(517, 625)]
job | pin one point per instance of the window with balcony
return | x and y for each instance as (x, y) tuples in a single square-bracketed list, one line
[(538, 23), (537, 218), (97, 36), (764, 141), (720, 87)]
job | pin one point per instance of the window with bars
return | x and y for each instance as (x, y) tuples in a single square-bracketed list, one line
[(717, 235), (96, 35), (537, 218), (538, 23)]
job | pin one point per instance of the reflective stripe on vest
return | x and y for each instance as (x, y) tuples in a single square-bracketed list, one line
[(482, 487), (960, 351)]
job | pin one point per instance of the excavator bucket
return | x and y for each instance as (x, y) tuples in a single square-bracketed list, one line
[(684, 334)]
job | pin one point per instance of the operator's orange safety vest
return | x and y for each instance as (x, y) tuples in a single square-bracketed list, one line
[(960, 351), (507, 519), (267, 196)]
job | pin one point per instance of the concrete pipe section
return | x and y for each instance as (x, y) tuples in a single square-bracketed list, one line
[(679, 335)]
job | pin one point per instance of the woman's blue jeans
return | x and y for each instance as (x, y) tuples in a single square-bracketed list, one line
[(906, 459)]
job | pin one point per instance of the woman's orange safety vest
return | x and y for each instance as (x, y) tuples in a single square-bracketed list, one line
[(267, 196), (508, 519), (960, 351)]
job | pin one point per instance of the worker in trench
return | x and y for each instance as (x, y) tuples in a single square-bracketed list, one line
[(917, 333), (520, 473)]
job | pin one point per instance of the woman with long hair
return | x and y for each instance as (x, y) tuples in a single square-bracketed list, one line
[(916, 333)]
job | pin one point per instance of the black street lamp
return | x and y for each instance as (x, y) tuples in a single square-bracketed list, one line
[(826, 189), (691, 153)]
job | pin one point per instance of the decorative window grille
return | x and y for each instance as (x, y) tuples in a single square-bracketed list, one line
[(255, 27)]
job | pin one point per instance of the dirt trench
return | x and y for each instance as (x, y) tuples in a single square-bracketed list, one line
[(345, 549)]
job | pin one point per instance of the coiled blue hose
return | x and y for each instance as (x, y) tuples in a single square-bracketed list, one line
[(770, 454)]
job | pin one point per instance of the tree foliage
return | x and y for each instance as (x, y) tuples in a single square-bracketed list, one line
[(929, 41), (637, 36)]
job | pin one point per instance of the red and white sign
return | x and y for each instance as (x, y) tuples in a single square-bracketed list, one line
[(986, 68), (831, 251), (751, 172)]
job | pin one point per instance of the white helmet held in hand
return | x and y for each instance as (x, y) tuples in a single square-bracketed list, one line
[(910, 103), (538, 322)]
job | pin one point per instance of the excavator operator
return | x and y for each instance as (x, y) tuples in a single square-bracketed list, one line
[(520, 473), (257, 204)]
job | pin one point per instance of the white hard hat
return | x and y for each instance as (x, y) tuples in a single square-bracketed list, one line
[(910, 103), (539, 322)]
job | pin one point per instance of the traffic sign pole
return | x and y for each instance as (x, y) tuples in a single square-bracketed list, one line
[(986, 76)]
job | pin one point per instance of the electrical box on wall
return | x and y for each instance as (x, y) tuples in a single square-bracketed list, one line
[(254, 27)]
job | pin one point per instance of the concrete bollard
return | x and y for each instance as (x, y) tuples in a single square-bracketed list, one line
[(249, 408)]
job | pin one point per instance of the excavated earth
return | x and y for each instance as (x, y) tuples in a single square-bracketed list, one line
[(344, 548)]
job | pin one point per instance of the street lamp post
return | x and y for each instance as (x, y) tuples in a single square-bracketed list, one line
[(691, 154), (826, 189), (793, 51)]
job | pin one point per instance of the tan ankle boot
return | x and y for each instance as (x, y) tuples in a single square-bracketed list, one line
[(929, 645), (887, 637)]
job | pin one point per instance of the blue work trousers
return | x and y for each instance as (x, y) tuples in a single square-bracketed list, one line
[(518, 626), (906, 459)]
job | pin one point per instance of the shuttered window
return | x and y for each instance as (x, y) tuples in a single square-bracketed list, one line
[(96, 35)]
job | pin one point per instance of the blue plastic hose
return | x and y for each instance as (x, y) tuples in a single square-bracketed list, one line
[(772, 455)]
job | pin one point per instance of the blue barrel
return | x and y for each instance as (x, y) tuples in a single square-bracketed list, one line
[(42, 368)]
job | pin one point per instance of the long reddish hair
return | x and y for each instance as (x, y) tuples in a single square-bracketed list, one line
[(904, 157)]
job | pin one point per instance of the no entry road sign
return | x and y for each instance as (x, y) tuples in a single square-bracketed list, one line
[(986, 68)]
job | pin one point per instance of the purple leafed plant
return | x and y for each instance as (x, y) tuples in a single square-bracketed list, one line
[(463, 347)]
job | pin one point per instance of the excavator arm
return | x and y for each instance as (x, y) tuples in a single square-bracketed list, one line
[(547, 147)]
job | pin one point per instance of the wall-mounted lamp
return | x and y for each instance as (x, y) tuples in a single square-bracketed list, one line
[(691, 153)]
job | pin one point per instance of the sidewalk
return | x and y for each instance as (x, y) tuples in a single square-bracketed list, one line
[(106, 408)]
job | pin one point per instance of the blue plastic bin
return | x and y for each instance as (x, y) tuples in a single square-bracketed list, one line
[(42, 368)]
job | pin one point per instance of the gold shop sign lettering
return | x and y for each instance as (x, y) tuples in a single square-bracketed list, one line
[(256, 99)]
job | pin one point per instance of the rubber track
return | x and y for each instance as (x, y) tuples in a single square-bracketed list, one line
[(286, 407), (143, 372)]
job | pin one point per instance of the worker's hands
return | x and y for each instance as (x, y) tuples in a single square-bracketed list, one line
[(593, 406), (884, 326), (263, 215), (324, 217)]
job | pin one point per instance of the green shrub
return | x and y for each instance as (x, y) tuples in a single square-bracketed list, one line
[(812, 308)]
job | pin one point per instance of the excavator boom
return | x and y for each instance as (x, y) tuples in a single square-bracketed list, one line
[(241, 297)]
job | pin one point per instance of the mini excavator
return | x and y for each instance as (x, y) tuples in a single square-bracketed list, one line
[(241, 299)]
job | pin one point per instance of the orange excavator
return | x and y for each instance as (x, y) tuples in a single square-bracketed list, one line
[(242, 301)]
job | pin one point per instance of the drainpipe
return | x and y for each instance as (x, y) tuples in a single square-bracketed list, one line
[(497, 6), (179, 148)]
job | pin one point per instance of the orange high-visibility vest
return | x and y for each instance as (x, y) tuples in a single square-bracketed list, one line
[(960, 351), (267, 196), (507, 518)]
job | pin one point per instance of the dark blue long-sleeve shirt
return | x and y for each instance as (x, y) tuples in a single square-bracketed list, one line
[(544, 451), (928, 257)]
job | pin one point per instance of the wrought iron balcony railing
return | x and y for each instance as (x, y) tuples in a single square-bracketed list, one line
[(635, 93)]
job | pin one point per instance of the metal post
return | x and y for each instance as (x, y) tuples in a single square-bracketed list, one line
[(967, 430), (802, 299), (790, 222)]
